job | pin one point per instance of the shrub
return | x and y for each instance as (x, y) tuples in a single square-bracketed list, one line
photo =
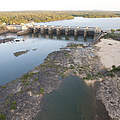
[(2, 116), (13, 105), (72, 67), (112, 30), (118, 30), (115, 69), (41, 90), (36, 79)]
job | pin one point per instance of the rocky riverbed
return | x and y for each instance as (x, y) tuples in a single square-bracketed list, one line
[(21, 99), (109, 93), (109, 89)]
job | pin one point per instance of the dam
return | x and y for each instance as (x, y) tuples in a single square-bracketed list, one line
[(65, 30), (58, 30)]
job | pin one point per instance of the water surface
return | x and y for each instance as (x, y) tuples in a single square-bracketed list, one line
[(103, 23), (74, 100), (38, 47), (34, 49)]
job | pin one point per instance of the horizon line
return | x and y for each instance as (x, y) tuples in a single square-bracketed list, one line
[(59, 10)]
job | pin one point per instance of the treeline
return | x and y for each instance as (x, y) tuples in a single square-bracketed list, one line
[(95, 14), (28, 16), (46, 16)]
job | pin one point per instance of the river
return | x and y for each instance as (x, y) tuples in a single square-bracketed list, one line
[(38, 47), (103, 23), (35, 49), (74, 100)]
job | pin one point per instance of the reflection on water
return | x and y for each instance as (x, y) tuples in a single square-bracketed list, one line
[(74, 100), (12, 67)]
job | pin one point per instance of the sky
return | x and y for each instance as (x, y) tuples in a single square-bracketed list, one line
[(17, 5)]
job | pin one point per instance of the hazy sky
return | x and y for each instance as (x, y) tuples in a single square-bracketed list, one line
[(11, 5)]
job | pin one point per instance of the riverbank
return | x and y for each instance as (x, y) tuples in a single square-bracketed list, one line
[(109, 91), (109, 52)]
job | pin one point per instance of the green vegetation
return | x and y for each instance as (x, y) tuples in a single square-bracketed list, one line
[(2, 116), (112, 35), (115, 69), (3, 87), (89, 77), (115, 30), (46, 16), (41, 90), (112, 30), (67, 54), (72, 67), (94, 14), (36, 79), (13, 105), (118, 30), (29, 16), (25, 78)]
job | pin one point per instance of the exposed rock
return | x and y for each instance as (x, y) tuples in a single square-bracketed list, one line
[(109, 93), (20, 99)]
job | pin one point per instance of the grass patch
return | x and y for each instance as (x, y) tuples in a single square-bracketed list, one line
[(89, 77), (72, 67), (13, 105), (41, 90), (3, 87), (2, 116), (115, 69), (36, 79), (112, 35), (25, 78)]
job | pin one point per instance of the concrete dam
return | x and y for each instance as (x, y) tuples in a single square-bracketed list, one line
[(62, 30)]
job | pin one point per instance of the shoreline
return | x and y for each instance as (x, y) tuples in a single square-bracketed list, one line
[(108, 91), (21, 98)]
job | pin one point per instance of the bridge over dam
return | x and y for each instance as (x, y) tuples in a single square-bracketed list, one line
[(62, 30)]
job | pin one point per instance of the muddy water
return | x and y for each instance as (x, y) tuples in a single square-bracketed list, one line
[(74, 100)]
